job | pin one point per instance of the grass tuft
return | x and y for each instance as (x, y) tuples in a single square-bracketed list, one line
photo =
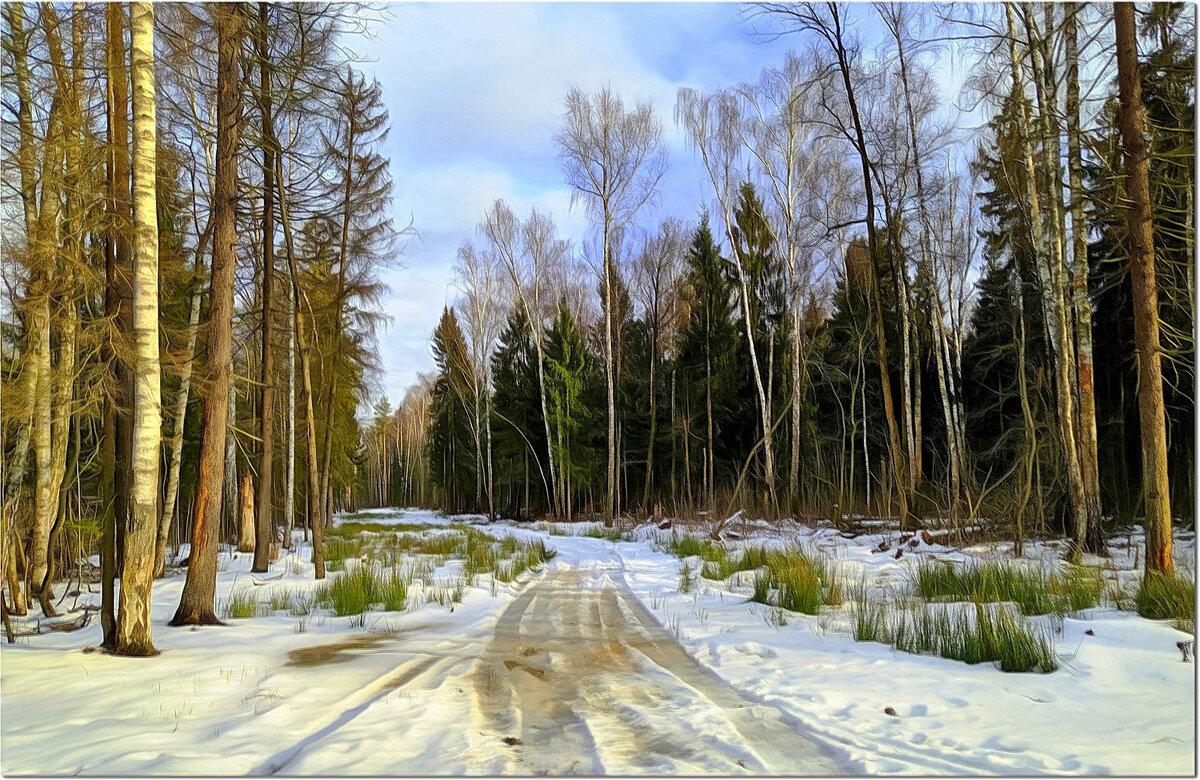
[(795, 580), (241, 604), (974, 634), (1167, 597), (1034, 591)]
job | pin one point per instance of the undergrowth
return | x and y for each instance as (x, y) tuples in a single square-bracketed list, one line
[(1034, 591), (976, 633), (1168, 597)]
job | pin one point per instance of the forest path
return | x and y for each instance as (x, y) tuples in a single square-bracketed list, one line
[(582, 680), (576, 678)]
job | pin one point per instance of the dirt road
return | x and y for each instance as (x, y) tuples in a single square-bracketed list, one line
[(579, 676), (576, 678)]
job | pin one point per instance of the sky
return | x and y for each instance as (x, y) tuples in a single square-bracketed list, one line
[(475, 94)]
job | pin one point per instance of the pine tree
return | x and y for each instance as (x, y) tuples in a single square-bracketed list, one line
[(451, 447)]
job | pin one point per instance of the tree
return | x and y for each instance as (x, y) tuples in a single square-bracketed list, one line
[(707, 345), (199, 590), (365, 237), (451, 448), (532, 253), (712, 125), (613, 160), (264, 533), (1145, 297), (827, 21), (655, 276), (137, 574)]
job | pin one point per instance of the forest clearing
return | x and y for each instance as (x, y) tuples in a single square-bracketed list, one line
[(434, 388)]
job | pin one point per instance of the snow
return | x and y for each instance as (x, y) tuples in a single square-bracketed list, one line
[(399, 694)]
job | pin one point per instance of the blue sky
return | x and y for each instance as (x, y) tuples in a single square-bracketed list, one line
[(475, 92)]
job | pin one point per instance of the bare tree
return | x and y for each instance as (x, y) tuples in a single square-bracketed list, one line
[(782, 135), (530, 253), (712, 123), (476, 275), (827, 21), (613, 160)]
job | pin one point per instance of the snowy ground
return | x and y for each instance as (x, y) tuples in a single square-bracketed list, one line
[(582, 658)]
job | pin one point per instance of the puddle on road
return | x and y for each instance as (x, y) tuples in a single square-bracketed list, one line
[(338, 652), (335, 652)]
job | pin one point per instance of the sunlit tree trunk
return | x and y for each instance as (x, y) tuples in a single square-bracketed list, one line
[(1145, 296), (199, 590), (137, 573), (1088, 445)]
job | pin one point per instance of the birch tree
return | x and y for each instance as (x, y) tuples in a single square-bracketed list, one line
[(613, 160), (137, 573)]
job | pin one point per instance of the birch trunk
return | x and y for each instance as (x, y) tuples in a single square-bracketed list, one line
[(1088, 445), (43, 252), (137, 574), (1063, 357)]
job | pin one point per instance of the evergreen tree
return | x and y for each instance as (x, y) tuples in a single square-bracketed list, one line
[(709, 360), (518, 434), (576, 408), (451, 443)]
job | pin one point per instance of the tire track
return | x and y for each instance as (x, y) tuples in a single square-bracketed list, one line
[(582, 670)]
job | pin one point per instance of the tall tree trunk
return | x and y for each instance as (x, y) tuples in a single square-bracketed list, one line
[(199, 590), (1088, 445), (885, 380), (137, 573), (653, 415), (175, 456), (301, 334), (116, 260), (229, 498), (289, 479), (610, 509), (266, 431), (709, 457), (43, 259), (1063, 348), (14, 14), (1145, 297)]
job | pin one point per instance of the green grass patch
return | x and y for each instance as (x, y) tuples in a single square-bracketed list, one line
[(359, 588), (795, 580), (280, 599), (338, 548), (1034, 591), (1167, 597), (241, 603), (355, 527), (983, 634)]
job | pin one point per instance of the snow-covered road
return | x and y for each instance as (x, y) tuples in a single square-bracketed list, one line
[(589, 683)]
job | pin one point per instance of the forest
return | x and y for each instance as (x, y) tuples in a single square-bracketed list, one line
[(872, 311), (865, 316)]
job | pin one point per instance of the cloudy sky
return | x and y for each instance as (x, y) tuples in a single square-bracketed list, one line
[(475, 92)]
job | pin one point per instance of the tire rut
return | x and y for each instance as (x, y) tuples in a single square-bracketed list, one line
[(579, 674)]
